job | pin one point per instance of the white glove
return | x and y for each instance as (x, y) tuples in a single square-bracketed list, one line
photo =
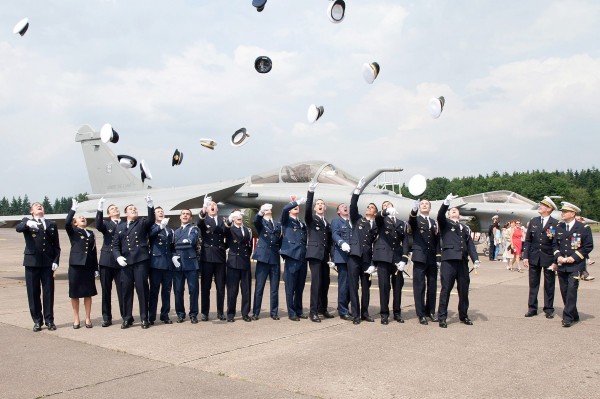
[(101, 204), (207, 199), (74, 204), (391, 212), (301, 201), (185, 241), (449, 198), (96, 274), (312, 186), (164, 223), (122, 261), (476, 264), (415, 206), (230, 218), (32, 224), (401, 266), (331, 265), (264, 208), (361, 183), (175, 260), (149, 201), (372, 269), (345, 247), (439, 264), (54, 267)]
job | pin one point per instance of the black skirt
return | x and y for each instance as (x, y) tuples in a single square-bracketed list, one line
[(82, 282)]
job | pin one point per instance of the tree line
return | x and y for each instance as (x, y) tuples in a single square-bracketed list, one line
[(20, 206)]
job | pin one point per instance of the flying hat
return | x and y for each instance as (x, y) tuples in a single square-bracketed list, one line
[(108, 134), (208, 143), (127, 161), (567, 206), (549, 203), (263, 64), (436, 106), (21, 26), (259, 4), (314, 113), (145, 171), (370, 72), (239, 137), (336, 11), (417, 185), (177, 157)]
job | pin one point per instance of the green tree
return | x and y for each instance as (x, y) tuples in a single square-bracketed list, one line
[(47, 205)]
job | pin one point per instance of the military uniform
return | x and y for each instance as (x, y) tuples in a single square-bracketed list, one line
[(161, 271), (538, 251), (42, 249), (425, 254), (131, 242), (239, 242), (362, 236), (186, 238), (576, 242), (390, 247), (293, 251), (267, 259), (317, 254), (83, 260), (212, 257), (457, 247), (110, 270)]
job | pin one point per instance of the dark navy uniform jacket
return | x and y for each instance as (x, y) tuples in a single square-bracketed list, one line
[(391, 245), (42, 247), (240, 247), (269, 240), (161, 247), (132, 242), (213, 238), (83, 244), (577, 243), (538, 241), (457, 243), (363, 233), (108, 231), (293, 244), (426, 239), (188, 258), (341, 232), (318, 231)]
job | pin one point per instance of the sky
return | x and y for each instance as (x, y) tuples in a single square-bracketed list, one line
[(520, 79)]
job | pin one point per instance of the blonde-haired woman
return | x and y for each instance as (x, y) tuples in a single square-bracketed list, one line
[(507, 238)]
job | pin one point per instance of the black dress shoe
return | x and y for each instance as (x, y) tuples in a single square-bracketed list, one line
[(550, 315), (346, 317), (106, 323), (443, 324), (384, 320), (275, 317), (303, 316), (356, 320), (76, 326), (204, 317), (315, 318), (423, 320), (398, 318), (327, 315), (51, 326), (567, 323), (531, 313), (151, 322), (230, 320), (368, 318), (221, 316), (254, 317), (130, 323), (294, 318), (467, 321), (145, 324), (246, 318), (194, 320), (167, 321), (180, 319), (433, 317), (37, 327), (124, 325)]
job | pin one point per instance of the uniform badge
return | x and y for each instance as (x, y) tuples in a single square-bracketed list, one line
[(576, 241), (34, 235), (360, 227), (81, 237), (453, 229), (235, 241), (550, 232), (110, 230)]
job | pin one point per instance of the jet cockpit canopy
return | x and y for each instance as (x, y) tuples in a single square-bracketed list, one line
[(304, 172)]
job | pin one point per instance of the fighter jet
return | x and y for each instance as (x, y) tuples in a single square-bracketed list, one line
[(118, 185)]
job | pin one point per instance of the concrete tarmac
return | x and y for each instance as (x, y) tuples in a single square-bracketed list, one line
[(502, 355)]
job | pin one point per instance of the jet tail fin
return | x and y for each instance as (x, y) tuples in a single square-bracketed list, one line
[(105, 173)]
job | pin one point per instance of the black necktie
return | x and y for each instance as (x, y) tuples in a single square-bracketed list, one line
[(568, 228), (270, 224)]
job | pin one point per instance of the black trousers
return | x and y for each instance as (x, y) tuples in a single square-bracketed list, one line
[(424, 287), (356, 273), (107, 276), (451, 271), (319, 285), (569, 286), (535, 275), (40, 290), (235, 279), (135, 275), (217, 271), (389, 277), (492, 248), (160, 280)]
